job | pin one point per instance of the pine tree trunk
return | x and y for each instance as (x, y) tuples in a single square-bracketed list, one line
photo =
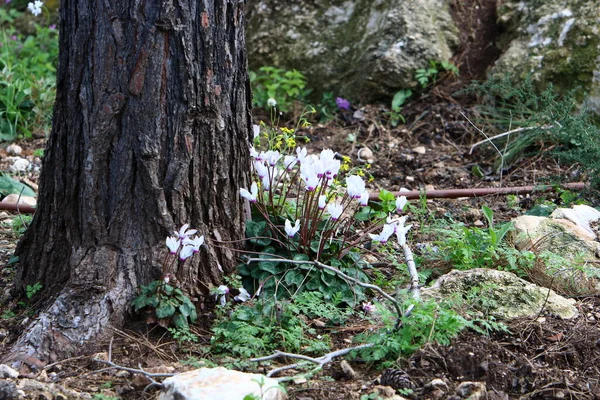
[(150, 131)]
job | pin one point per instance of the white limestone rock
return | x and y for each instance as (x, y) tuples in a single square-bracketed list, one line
[(14, 150), (18, 164), (219, 383), (8, 372), (13, 198), (512, 296)]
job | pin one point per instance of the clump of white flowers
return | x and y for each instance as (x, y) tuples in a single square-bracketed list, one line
[(319, 196), (35, 7)]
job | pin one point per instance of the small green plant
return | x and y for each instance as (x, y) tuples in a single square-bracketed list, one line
[(102, 396), (38, 153), (397, 102), (327, 107), (426, 76), (371, 396), (251, 330), (32, 290), (163, 302), (21, 223), (165, 305), (283, 86), (261, 382), (183, 335), (198, 363), (429, 321), (8, 314), (471, 247), (313, 305), (524, 120), (28, 82)]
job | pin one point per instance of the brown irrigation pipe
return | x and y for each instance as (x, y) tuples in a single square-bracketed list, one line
[(413, 194), (455, 193), (22, 208)]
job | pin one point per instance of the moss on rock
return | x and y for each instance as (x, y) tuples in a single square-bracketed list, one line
[(555, 41), (360, 49)]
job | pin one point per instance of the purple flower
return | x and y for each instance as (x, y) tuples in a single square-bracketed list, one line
[(52, 27), (342, 103), (368, 307), (13, 37)]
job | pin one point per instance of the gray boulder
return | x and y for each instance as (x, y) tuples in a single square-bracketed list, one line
[(507, 296), (557, 41), (366, 48), (567, 247)]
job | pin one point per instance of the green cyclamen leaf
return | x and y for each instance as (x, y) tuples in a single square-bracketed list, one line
[(165, 310)]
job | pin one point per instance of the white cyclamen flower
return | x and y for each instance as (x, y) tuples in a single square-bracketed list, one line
[(184, 233), (330, 165), (186, 252), (173, 243), (255, 131), (292, 230), (335, 210), (194, 243), (243, 296), (35, 7), (364, 198), (301, 154), (400, 203), (386, 232), (401, 232), (271, 157), (271, 102), (266, 183), (289, 162), (250, 195), (253, 152), (309, 176), (261, 169), (322, 202), (368, 307), (221, 293), (355, 186)]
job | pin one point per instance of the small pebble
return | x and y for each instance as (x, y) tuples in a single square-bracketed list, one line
[(8, 372), (14, 150), (419, 150), (19, 165)]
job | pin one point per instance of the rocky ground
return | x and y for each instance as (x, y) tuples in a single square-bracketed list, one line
[(539, 358)]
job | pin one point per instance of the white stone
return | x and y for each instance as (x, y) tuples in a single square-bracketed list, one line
[(13, 198), (419, 150), (581, 215), (14, 150), (8, 372), (19, 165), (437, 383), (219, 383)]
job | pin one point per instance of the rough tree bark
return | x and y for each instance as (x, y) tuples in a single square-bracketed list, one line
[(150, 131)]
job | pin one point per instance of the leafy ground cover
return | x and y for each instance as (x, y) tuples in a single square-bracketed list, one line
[(545, 357)]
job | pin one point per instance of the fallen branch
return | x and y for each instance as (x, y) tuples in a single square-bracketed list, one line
[(517, 130), (320, 361), (111, 365), (412, 270)]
